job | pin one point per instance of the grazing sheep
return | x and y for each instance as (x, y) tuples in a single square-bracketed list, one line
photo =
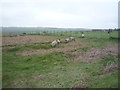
[(58, 41), (72, 39), (55, 42), (67, 40), (83, 35)]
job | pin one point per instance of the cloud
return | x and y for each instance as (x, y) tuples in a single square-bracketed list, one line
[(62, 13), (59, 1)]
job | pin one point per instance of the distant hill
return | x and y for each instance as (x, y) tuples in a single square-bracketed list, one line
[(20, 30)]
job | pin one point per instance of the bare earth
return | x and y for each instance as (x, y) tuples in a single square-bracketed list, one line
[(26, 39), (96, 53), (110, 68), (92, 54), (65, 48), (89, 56)]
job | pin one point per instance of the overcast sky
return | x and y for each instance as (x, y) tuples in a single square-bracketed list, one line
[(60, 13)]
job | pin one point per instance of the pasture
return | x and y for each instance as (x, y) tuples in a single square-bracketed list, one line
[(29, 61)]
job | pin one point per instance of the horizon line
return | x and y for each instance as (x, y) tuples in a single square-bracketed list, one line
[(56, 27)]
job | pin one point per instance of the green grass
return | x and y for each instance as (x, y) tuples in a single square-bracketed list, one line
[(34, 46), (107, 81), (56, 70), (30, 65), (108, 60), (83, 49)]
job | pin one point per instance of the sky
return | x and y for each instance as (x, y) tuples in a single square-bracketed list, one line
[(59, 13)]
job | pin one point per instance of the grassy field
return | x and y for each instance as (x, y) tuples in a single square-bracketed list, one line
[(60, 69)]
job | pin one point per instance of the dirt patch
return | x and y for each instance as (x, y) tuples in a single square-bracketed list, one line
[(110, 68), (64, 48), (96, 53), (26, 39), (74, 52), (78, 87)]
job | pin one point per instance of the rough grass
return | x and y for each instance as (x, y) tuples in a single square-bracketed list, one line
[(54, 70), (24, 47)]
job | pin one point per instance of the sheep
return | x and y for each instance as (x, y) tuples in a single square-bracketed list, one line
[(72, 39), (83, 35), (55, 42), (67, 40), (58, 41)]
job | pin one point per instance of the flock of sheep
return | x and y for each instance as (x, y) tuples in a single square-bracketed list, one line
[(56, 42)]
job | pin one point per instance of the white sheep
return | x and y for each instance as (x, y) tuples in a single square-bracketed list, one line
[(58, 41), (67, 40), (83, 35), (72, 39), (55, 42)]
